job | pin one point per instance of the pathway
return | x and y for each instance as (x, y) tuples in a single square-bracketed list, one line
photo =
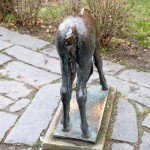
[(29, 94)]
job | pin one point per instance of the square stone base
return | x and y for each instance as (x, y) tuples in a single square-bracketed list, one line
[(51, 143)]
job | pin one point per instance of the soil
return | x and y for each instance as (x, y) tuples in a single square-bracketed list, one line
[(136, 57)]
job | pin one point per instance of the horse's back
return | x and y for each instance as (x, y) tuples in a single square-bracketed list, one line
[(85, 25), (86, 34)]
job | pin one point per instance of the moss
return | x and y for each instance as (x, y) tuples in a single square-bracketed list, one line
[(123, 62), (38, 144)]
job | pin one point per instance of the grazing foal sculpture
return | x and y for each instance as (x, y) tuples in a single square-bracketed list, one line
[(77, 44)]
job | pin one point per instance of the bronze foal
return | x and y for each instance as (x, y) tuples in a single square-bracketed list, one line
[(77, 45)]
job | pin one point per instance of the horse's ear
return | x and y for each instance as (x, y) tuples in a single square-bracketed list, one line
[(85, 10)]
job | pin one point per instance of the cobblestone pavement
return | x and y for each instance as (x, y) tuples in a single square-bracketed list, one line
[(29, 94)]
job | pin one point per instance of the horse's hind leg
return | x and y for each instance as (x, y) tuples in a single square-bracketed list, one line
[(66, 90), (98, 64), (82, 79)]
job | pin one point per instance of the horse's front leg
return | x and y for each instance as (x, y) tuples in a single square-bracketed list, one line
[(65, 91)]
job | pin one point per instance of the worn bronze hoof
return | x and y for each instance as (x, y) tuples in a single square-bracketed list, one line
[(104, 87), (85, 135), (66, 129)]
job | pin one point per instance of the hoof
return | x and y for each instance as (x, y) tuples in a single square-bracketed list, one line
[(105, 88), (66, 129), (85, 131), (85, 135)]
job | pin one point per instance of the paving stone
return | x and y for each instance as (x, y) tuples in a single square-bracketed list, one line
[(4, 45), (111, 68), (122, 146), (19, 105), (140, 108), (125, 126), (13, 89), (145, 145), (4, 59), (4, 102), (93, 77), (51, 51), (29, 74), (132, 91), (36, 117), (146, 121), (34, 58), (138, 77), (20, 39), (6, 121), (142, 95), (122, 86)]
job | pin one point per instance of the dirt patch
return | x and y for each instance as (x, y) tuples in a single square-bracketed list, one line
[(136, 57)]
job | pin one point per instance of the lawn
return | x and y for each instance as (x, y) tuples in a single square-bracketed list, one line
[(132, 48)]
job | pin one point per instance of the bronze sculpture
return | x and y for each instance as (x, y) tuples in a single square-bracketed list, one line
[(78, 44)]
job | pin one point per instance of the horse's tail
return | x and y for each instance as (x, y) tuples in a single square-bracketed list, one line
[(70, 43)]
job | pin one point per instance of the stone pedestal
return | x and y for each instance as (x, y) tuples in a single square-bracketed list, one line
[(99, 107)]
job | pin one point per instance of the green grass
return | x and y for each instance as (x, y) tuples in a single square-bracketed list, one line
[(38, 144), (57, 12), (123, 62), (9, 18), (143, 30), (53, 13), (141, 27)]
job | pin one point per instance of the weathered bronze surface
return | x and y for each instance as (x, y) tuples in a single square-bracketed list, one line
[(96, 100), (78, 46)]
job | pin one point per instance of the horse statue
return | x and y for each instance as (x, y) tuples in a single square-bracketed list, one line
[(78, 46)]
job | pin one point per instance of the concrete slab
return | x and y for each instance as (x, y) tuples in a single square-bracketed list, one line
[(14, 89), (4, 59), (145, 145), (22, 39), (122, 146), (6, 122), (137, 77), (19, 105), (51, 51), (4, 45), (111, 68), (131, 91), (146, 121), (28, 74), (96, 101), (4, 102), (125, 127), (34, 58), (36, 117), (51, 143)]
